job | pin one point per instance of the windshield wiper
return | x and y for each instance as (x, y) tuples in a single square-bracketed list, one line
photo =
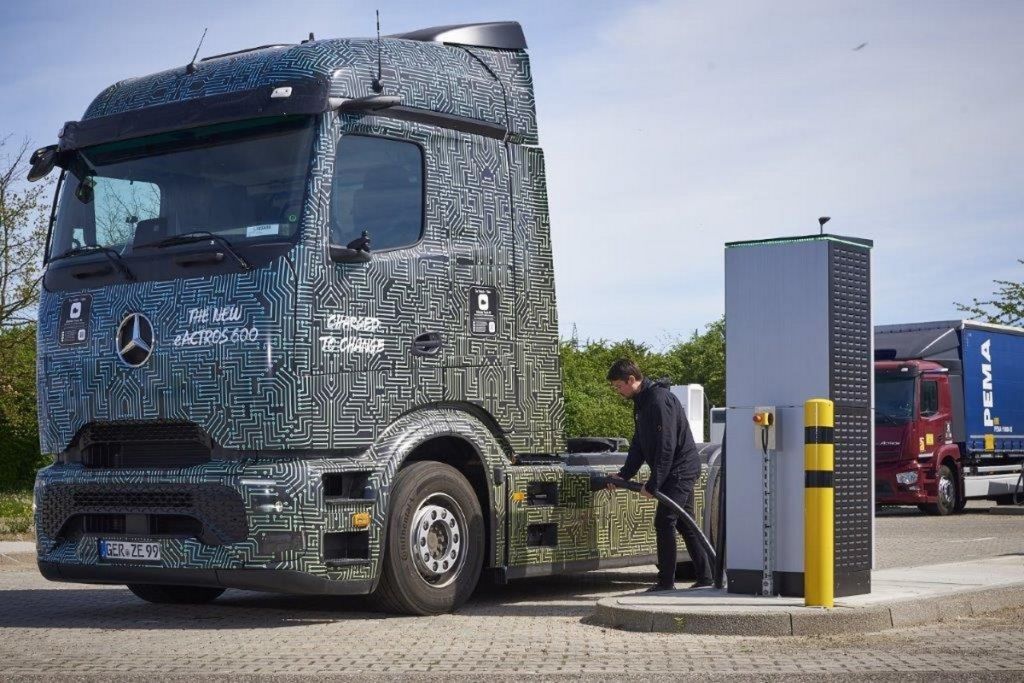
[(112, 254), (200, 236)]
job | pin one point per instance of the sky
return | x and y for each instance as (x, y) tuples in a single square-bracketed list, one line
[(669, 129)]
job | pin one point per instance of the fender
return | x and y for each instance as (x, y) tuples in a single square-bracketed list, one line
[(949, 450), (404, 435)]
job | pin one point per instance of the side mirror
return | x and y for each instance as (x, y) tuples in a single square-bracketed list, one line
[(346, 255), (42, 162), (84, 191), (356, 251)]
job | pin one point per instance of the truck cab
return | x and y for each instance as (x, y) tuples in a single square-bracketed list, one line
[(298, 332), (916, 461)]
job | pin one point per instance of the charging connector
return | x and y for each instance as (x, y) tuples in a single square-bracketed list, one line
[(764, 428)]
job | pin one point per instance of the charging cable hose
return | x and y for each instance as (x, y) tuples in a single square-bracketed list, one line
[(600, 482)]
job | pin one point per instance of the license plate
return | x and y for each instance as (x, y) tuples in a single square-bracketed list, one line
[(130, 550)]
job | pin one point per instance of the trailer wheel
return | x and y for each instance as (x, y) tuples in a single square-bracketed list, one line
[(175, 595), (948, 495), (435, 541)]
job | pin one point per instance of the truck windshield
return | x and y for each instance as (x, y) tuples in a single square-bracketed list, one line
[(242, 181), (894, 399)]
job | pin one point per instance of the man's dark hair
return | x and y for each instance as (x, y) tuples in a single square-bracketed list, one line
[(622, 369)]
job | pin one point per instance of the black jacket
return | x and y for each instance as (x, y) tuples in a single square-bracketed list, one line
[(662, 439)]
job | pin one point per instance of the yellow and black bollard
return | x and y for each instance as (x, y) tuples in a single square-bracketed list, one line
[(819, 511)]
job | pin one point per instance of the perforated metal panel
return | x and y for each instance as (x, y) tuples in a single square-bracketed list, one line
[(850, 387), (850, 323), (853, 510)]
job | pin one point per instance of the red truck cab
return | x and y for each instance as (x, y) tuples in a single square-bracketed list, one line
[(917, 462)]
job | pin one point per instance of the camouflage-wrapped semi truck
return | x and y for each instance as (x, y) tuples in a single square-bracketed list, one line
[(298, 332)]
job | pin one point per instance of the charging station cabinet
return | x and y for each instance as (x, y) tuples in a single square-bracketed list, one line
[(798, 326)]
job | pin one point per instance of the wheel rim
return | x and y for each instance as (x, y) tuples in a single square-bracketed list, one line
[(436, 539), (947, 492)]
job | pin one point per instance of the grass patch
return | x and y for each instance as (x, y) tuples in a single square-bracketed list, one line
[(16, 516)]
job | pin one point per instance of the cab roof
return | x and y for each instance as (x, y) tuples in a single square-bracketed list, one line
[(474, 71)]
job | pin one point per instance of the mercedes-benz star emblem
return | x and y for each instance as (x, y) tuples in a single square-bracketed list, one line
[(134, 341)]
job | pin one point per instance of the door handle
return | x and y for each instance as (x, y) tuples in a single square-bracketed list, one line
[(427, 344)]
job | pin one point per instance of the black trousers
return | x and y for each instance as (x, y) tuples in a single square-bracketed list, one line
[(666, 522)]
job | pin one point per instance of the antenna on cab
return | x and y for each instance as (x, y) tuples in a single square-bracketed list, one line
[(191, 68), (378, 86)]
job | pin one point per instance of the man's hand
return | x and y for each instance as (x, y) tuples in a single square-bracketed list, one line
[(645, 493), (610, 486)]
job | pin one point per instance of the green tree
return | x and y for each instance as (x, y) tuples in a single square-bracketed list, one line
[(701, 360), (23, 222), (1006, 307), (19, 429), (24, 212), (592, 408)]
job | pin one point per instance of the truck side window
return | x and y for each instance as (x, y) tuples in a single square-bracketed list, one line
[(378, 187), (929, 398)]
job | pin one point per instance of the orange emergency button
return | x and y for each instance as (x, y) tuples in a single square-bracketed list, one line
[(763, 419)]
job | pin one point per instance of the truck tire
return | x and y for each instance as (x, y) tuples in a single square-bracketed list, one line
[(947, 500), (435, 541), (175, 595)]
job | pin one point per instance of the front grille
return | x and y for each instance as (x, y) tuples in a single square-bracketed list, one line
[(95, 497), (218, 511), (143, 431), (140, 525), (149, 444), (174, 525), (102, 524)]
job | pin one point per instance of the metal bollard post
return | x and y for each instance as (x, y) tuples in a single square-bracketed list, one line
[(819, 510)]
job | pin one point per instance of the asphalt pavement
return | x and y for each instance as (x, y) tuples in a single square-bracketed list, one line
[(533, 627)]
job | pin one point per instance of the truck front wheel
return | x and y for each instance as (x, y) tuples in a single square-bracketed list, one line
[(435, 541), (947, 499)]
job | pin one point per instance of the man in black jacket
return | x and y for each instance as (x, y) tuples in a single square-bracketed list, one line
[(663, 440)]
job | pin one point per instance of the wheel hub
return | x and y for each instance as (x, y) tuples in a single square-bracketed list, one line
[(436, 540), (946, 491)]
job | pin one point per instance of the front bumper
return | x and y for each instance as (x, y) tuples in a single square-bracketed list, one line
[(889, 491), (258, 525), (269, 580)]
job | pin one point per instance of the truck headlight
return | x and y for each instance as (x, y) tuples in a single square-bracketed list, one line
[(906, 478)]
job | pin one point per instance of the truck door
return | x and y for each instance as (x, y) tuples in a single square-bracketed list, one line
[(378, 326), (478, 214)]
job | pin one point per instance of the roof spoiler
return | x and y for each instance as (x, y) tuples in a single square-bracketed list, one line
[(498, 35)]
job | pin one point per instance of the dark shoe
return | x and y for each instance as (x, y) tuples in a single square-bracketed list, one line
[(703, 583), (658, 588)]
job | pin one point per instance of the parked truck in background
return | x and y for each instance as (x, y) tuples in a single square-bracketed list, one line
[(949, 414), (298, 333)]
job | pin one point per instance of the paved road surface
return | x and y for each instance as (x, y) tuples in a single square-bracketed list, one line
[(532, 627)]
